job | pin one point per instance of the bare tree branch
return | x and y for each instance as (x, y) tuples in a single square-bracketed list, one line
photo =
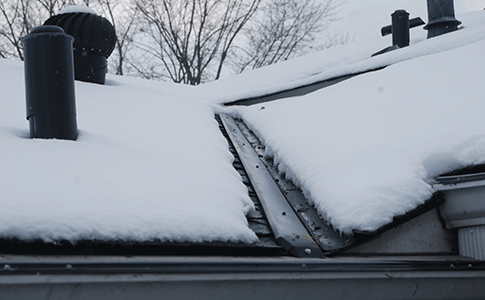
[(19, 17), (188, 41), (197, 34), (124, 21), (285, 29)]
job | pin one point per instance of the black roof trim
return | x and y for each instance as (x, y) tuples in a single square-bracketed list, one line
[(130, 248), (466, 174), (298, 91), (234, 266)]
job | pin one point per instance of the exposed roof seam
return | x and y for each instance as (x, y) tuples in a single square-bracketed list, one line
[(323, 233), (298, 91), (257, 220), (286, 226)]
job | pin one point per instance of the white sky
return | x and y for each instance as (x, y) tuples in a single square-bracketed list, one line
[(469, 5), (364, 19)]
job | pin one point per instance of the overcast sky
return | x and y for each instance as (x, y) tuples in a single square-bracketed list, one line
[(467, 5), (363, 19)]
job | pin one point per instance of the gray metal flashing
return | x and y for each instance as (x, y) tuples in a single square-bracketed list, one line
[(422, 235), (323, 233), (240, 278), (286, 225), (423, 228), (11, 265), (464, 204), (460, 178), (464, 210), (256, 219)]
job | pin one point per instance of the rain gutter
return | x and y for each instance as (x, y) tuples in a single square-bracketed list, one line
[(238, 278)]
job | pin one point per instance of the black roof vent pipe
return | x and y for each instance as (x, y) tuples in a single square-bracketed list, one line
[(441, 17), (400, 30), (94, 41), (400, 27), (49, 83)]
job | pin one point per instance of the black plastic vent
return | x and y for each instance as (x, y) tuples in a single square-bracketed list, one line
[(94, 41), (91, 32), (441, 15)]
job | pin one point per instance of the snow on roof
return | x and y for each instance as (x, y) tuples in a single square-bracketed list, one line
[(339, 61), (77, 9), (150, 163), (367, 149)]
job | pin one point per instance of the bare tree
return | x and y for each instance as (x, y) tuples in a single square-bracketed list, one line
[(16, 22), (19, 17), (124, 21), (284, 29), (191, 41), (192, 37), (52, 7), (188, 41)]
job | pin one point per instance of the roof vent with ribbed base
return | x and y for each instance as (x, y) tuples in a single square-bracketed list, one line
[(94, 41), (441, 15)]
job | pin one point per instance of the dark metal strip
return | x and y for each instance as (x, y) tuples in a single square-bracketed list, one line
[(253, 266), (298, 91), (256, 219), (286, 226), (323, 233)]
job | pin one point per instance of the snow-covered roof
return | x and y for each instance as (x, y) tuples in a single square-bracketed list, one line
[(351, 58), (151, 163), (367, 149)]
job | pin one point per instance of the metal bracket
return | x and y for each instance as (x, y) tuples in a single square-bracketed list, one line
[(287, 228)]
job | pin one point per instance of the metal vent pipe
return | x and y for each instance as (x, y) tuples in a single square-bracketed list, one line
[(95, 40), (441, 18), (49, 83), (386, 30), (400, 28)]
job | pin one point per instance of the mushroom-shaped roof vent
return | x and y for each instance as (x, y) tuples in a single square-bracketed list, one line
[(92, 33)]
